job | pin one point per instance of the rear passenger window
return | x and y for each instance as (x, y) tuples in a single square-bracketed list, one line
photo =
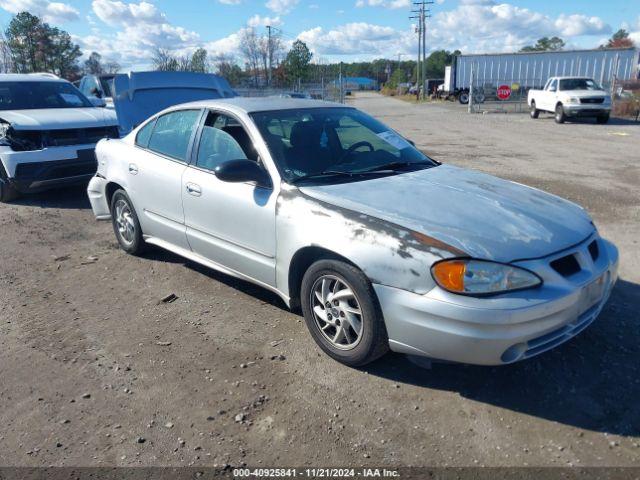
[(172, 133), (144, 134)]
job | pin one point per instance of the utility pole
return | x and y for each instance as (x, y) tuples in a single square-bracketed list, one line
[(269, 52), (422, 13)]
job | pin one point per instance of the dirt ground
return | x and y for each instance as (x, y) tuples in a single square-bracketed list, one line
[(96, 371)]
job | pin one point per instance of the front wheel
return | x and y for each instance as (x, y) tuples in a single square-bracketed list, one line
[(342, 313), (534, 112), (7, 192), (125, 223), (560, 116), (602, 118)]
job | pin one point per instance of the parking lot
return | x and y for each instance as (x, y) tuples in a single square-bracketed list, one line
[(97, 370)]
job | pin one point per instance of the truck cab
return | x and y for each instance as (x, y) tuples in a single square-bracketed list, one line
[(569, 97)]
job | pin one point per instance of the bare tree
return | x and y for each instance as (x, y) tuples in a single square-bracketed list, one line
[(250, 48), (163, 60), (112, 67), (6, 59)]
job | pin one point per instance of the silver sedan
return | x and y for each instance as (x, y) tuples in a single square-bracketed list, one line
[(380, 246)]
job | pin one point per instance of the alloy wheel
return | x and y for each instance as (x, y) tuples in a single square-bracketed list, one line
[(337, 312), (124, 222)]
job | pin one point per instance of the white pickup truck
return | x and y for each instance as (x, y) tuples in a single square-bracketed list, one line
[(568, 97)]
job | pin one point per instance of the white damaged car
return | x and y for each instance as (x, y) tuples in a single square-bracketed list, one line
[(48, 132), (381, 246)]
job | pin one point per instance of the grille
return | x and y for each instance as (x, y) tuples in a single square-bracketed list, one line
[(25, 140), (594, 250), (566, 266), (592, 100)]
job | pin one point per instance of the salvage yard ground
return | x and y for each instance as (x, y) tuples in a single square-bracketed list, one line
[(97, 370)]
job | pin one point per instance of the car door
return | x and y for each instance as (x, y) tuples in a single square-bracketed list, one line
[(231, 224), (155, 174), (550, 95)]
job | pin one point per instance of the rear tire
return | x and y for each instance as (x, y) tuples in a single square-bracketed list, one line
[(534, 112), (7, 192), (463, 98), (602, 118), (560, 116), (342, 313), (125, 223)]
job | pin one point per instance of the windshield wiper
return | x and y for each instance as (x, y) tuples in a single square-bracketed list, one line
[(396, 166), (337, 173)]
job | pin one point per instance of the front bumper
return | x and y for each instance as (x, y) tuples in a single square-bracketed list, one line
[(506, 328), (33, 171), (587, 110), (97, 192)]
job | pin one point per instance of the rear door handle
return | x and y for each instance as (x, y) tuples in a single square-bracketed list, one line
[(194, 189), (133, 169)]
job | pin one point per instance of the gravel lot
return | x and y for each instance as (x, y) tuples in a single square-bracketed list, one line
[(96, 370)]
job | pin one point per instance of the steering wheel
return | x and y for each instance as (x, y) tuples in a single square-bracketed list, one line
[(353, 148)]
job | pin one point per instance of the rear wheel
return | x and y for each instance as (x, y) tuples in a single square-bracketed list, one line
[(560, 116), (602, 118), (7, 192), (463, 98), (534, 112), (342, 313), (125, 223)]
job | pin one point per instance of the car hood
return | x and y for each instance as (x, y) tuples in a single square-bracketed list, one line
[(59, 118), (585, 93), (484, 216)]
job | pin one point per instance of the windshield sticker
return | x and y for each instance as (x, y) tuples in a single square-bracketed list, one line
[(394, 139), (71, 99)]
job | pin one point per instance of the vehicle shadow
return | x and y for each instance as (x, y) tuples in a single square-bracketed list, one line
[(591, 382), (248, 288), (66, 198)]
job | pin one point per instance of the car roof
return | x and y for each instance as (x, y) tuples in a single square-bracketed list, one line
[(574, 77), (261, 104), (30, 77)]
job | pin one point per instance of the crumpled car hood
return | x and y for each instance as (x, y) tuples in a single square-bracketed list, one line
[(59, 118), (484, 216)]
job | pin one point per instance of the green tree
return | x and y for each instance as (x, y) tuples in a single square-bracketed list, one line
[(545, 44), (398, 76), (620, 39), (93, 65), (199, 61), (437, 61), (297, 61), (37, 47)]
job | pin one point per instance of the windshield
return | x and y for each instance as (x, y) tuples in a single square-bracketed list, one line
[(31, 95), (312, 141), (106, 84), (579, 84)]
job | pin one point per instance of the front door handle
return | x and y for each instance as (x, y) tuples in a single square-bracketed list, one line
[(133, 169), (194, 189)]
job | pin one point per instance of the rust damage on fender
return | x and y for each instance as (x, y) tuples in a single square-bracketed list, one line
[(388, 253)]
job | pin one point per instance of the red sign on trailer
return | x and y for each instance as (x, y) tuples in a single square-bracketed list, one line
[(504, 92)]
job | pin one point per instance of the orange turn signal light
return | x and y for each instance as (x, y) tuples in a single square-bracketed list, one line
[(450, 275)]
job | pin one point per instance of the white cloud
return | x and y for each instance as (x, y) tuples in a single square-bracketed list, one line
[(52, 12), (393, 4), (574, 25), (258, 21), (350, 39), (281, 7), (230, 2)]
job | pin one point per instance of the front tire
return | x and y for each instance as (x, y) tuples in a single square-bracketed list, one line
[(602, 118), (560, 116), (342, 313), (125, 223), (534, 112)]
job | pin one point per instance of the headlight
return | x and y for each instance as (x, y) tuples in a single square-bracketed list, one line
[(573, 100), (480, 277)]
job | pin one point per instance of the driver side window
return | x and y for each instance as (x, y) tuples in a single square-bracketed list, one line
[(223, 139)]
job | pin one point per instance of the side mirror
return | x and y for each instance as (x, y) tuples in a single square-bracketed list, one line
[(97, 102), (242, 171)]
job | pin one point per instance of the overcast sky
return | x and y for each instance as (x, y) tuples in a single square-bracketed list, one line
[(348, 30)]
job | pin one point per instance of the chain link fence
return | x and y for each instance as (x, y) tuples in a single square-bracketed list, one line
[(331, 91)]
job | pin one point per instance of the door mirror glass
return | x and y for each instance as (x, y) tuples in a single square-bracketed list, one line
[(243, 171)]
